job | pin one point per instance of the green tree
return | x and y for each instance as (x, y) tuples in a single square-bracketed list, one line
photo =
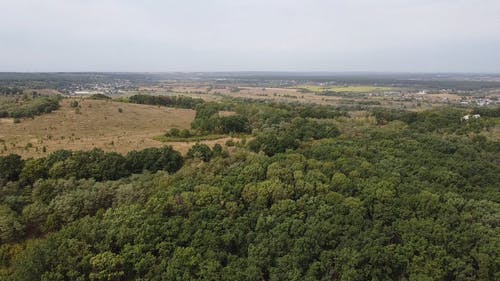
[(11, 227), (10, 167), (200, 151), (107, 266)]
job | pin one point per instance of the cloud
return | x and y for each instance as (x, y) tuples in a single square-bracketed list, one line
[(126, 35)]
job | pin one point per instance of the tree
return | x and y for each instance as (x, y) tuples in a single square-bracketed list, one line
[(154, 159), (10, 167), (233, 124), (107, 266), (200, 151), (33, 170), (11, 227)]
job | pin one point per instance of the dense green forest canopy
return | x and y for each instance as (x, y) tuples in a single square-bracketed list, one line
[(411, 196)]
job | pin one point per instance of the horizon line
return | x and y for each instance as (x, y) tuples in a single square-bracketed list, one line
[(259, 71)]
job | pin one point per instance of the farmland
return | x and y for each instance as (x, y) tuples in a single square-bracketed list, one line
[(345, 89)]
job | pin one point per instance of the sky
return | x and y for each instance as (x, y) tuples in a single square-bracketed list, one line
[(250, 35)]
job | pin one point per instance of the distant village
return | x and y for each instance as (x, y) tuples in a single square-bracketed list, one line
[(402, 94)]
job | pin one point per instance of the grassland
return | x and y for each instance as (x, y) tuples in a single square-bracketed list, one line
[(94, 123)]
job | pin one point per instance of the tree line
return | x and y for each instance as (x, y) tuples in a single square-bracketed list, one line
[(11, 91), (95, 164), (172, 101)]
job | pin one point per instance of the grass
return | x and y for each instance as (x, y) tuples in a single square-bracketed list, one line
[(98, 124)]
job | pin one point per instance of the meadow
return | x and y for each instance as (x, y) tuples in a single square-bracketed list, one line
[(112, 126)]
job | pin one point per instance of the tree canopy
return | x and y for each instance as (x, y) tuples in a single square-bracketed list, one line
[(409, 197)]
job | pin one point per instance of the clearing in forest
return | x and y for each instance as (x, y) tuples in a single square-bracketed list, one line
[(112, 126)]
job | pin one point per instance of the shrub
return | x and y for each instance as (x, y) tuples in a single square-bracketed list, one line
[(200, 151)]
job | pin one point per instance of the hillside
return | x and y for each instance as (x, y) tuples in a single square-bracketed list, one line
[(93, 123)]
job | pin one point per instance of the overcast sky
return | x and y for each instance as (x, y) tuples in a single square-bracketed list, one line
[(239, 35)]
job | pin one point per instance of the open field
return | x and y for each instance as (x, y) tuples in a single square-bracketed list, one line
[(346, 89), (255, 93), (315, 94), (45, 92), (382, 97), (94, 124)]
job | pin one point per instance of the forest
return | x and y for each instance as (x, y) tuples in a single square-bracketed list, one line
[(408, 196)]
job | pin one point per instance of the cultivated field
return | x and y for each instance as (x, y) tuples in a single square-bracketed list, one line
[(93, 123), (346, 89), (313, 94)]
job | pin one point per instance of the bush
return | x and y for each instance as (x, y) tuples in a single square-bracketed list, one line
[(185, 133), (174, 132), (99, 97), (200, 151)]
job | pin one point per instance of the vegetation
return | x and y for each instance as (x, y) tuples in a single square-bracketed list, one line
[(99, 97), (410, 196), (443, 120), (200, 151), (74, 104), (287, 136), (14, 91), (176, 101), (185, 135), (95, 164), (99, 125), (487, 111), (343, 89), (27, 106)]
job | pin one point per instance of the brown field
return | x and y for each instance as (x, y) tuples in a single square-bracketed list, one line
[(193, 92), (443, 97), (97, 124), (256, 93), (46, 92), (409, 101), (406, 100)]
